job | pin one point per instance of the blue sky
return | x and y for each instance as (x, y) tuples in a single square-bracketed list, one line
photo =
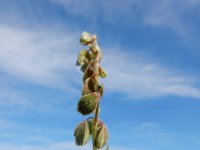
[(151, 56)]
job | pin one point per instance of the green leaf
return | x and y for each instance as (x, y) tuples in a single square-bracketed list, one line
[(102, 73)]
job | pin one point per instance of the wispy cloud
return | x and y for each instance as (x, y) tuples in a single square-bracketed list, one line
[(36, 55), (139, 77), (38, 72), (47, 58), (94, 9), (171, 14), (166, 13)]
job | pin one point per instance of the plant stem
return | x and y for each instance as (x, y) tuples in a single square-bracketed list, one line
[(96, 117)]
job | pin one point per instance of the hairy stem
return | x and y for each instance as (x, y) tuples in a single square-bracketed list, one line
[(89, 61), (95, 121)]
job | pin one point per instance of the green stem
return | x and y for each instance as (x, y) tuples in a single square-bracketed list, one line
[(95, 121)]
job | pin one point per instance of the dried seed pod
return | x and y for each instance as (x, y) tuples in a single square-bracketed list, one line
[(85, 89), (90, 123), (102, 73), (82, 133), (93, 85), (88, 103), (102, 136), (87, 74), (105, 135)]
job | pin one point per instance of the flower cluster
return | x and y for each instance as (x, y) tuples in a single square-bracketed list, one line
[(92, 92)]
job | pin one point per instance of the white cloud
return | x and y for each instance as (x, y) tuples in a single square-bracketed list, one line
[(110, 10), (35, 57), (48, 58), (45, 56), (139, 77), (153, 12), (39, 56)]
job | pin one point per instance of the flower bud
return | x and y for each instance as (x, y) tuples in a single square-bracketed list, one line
[(82, 133), (87, 38), (102, 136), (88, 103)]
